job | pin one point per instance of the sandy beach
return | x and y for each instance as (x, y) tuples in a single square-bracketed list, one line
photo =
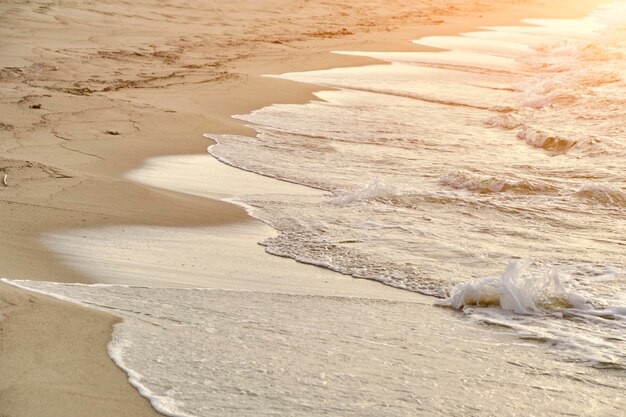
[(91, 91)]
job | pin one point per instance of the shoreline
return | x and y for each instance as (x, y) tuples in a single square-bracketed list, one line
[(65, 188)]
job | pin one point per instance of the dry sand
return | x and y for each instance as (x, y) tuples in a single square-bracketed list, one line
[(89, 90)]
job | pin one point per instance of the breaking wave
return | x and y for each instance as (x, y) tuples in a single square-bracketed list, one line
[(514, 291), (545, 140), (490, 184), (541, 308), (606, 194)]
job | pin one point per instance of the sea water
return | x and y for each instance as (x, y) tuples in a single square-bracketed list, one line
[(207, 352), (491, 174)]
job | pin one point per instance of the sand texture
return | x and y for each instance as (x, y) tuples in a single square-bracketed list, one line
[(53, 362)]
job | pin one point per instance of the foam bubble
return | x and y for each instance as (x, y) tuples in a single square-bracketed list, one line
[(541, 306)]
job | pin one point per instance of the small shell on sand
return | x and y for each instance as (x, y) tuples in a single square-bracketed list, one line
[(4, 180)]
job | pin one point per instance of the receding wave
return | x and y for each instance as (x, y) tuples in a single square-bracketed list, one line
[(313, 248), (428, 99)]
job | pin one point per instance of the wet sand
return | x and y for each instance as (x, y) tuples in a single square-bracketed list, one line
[(54, 362), (88, 92)]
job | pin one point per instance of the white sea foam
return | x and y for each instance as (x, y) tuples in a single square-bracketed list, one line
[(514, 291), (485, 150), (543, 309), (375, 189)]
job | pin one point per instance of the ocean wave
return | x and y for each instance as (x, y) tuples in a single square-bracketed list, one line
[(489, 184), (570, 71), (545, 140), (605, 194), (564, 89), (540, 308), (516, 292)]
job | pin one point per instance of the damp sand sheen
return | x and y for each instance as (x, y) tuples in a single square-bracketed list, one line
[(487, 179)]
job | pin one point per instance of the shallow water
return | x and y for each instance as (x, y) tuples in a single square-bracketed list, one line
[(446, 168), (202, 352)]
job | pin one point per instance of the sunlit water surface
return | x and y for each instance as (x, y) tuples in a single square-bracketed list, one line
[(491, 174)]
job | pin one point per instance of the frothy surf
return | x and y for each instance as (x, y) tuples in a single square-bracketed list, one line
[(445, 166), (548, 306)]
